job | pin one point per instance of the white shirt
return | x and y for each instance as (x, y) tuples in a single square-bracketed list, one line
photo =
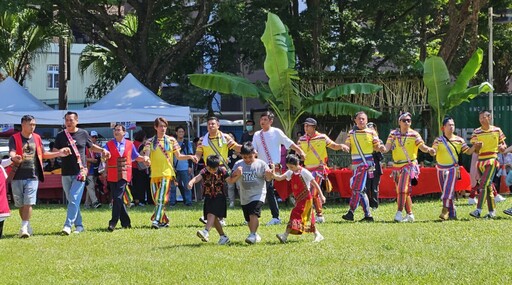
[(274, 138)]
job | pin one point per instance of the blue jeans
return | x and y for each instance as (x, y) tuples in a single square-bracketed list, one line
[(74, 190), (182, 177)]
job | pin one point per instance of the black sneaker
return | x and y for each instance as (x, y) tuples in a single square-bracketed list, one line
[(367, 219), (202, 220), (155, 226), (349, 216), (96, 205), (508, 211), (111, 228), (163, 225)]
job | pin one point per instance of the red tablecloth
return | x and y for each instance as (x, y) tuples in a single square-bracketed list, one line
[(51, 188), (427, 183)]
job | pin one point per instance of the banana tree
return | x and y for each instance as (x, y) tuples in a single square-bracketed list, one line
[(444, 95), (281, 92)]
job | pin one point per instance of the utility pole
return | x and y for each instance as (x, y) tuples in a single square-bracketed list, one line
[(63, 73)]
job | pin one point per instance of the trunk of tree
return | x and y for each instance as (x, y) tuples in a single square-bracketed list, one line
[(316, 13), (460, 17)]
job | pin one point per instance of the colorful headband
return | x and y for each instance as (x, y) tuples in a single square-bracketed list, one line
[(403, 115)]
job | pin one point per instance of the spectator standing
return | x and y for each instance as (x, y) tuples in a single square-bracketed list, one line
[(249, 132), (233, 157), (140, 174), (184, 169), (93, 160)]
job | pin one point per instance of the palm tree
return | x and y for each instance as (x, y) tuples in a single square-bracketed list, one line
[(282, 93), (21, 37)]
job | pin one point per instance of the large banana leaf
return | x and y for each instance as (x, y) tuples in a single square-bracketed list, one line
[(347, 89), (339, 109), (467, 94), (437, 80), (468, 72), (226, 83), (279, 52)]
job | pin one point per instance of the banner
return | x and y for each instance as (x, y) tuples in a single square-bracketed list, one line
[(127, 125), (6, 127)]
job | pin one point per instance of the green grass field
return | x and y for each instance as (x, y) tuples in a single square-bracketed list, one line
[(467, 251)]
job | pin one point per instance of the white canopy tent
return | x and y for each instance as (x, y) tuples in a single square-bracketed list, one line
[(16, 102), (130, 100)]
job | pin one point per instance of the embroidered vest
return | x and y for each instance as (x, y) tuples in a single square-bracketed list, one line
[(119, 167)]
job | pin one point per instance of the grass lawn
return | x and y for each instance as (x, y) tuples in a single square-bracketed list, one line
[(466, 251)]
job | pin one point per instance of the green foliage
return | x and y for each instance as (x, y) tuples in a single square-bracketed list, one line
[(282, 94), (442, 94)]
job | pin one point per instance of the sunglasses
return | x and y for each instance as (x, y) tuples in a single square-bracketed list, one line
[(406, 120)]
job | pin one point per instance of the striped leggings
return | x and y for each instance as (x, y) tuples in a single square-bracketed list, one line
[(403, 190), (447, 176), (358, 186), (160, 187), (487, 168)]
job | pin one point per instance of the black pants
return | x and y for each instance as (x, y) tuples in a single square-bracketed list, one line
[(1, 228), (118, 207), (372, 189), (272, 200), (140, 186)]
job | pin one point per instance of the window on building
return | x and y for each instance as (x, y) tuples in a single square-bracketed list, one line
[(52, 76)]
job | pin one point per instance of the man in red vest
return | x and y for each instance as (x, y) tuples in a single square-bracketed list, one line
[(119, 173), (27, 153)]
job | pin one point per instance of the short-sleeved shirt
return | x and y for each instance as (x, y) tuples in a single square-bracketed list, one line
[(213, 183), (69, 163), (221, 141), (306, 176), (491, 138), (161, 165), (29, 167), (456, 145), (252, 184), (319, 142), (121, 148), (412, 140), (367, 139), (273, 138)]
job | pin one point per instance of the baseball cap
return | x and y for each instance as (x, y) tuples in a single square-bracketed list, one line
[(94, 133), (310, 121)]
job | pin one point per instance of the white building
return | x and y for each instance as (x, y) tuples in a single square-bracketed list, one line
[(43, 80)]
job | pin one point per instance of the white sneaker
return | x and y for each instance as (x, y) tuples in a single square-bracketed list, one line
[(472, 201), (274, 221), (258, 238), (78, 229), (66, 230), (499, 198), (320, 219), (251, 239), (231, 204), (223, 222), (24, 232), (318, 237), (398, 216), (203, 235), (223, 240), (409, 218), (30, 230), (282, 238)]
